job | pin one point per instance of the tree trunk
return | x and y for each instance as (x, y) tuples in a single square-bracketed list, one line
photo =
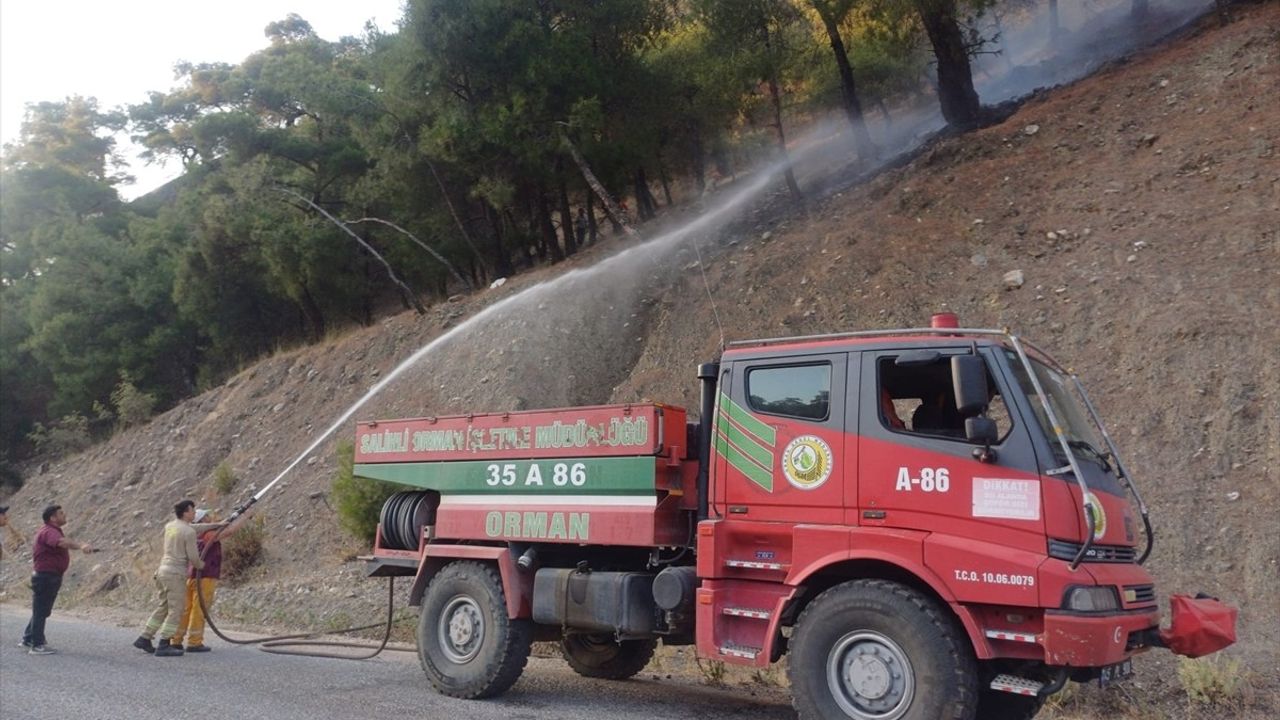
[(548, 228), (611, 208), (699, 161), (776, 99), (534, 224), (593, 230), (645, 205), (852, 108), (566, 219), (314, 315), (960, 106), (666, 181), (444, 192), (526, 251), (501, 262)]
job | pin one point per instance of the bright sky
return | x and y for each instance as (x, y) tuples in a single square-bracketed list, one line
[(118, 51)]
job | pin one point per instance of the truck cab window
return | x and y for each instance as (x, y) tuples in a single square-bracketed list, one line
[(800, 391), (920, 400)]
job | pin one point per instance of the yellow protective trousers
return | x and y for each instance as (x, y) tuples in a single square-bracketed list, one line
[(192, 623)]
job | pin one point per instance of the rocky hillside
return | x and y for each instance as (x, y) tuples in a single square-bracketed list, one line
[(1129, 222)]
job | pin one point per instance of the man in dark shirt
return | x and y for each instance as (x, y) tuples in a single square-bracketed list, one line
[(50, 556)]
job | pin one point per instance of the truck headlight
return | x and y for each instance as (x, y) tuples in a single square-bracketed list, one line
[(1091, 598)]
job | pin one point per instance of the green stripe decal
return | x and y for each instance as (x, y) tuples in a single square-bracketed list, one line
[(749, 445), (743, 464), (568, 476), (748, 421)]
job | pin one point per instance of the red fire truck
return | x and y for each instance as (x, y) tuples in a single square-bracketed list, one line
[(931, 523)]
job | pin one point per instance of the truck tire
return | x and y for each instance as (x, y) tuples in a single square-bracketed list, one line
[(600, 656), (879, 650), (467, 645), (997, 705)]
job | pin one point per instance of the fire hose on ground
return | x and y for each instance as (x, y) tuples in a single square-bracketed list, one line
[(275, 644)]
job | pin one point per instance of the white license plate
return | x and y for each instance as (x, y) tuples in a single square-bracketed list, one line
[(1115, 673)]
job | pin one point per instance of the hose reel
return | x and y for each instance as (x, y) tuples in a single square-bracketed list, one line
[(404, 515)]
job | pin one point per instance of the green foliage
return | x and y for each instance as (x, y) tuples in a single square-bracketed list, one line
[(133, 407), (451, 128), (242, 549), (224, 479), (358, 500), (68, 435), (713, 671), (1215, 682)]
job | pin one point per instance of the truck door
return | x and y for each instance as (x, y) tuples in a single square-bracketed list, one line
[(779, 440), (917, 471)]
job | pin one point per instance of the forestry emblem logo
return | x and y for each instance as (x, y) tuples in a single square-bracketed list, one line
[(807, 462), (1099, 515)]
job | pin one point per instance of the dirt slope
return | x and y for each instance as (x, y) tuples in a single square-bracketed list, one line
[(1141, 205)]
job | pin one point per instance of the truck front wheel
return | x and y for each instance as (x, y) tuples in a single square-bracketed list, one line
[(467, 645), (879, 650), (600, 656)]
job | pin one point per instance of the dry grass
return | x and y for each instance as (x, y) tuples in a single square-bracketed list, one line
[(713, 671), (224, 479), (1213, 682), (243, 549)]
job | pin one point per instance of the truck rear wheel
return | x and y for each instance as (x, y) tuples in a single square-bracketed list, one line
[(879, 650), (600, 656), (467, 645)]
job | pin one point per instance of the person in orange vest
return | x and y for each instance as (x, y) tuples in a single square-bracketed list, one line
[(209, 544)]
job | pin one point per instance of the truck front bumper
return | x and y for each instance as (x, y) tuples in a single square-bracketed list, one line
[(1093, 640)]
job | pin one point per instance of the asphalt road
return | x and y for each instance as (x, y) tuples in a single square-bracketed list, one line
[(97, 675)]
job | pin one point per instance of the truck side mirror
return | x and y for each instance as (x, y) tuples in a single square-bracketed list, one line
[(982, 431), (969, 378)]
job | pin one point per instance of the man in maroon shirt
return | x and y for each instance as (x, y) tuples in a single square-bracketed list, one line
[(50, 556)]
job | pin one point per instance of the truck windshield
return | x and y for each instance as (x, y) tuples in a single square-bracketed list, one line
[(1070, 411)]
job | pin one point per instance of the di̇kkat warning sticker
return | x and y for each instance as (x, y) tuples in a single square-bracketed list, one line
[(1009, 499)]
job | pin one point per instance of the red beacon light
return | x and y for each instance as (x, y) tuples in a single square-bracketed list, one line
[(944, 321)]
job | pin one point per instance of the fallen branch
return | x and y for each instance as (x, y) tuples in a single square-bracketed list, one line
[(462, 228), (615, 211), (454, 271), (406, 293)]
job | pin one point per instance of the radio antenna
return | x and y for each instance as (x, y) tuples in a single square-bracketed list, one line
[(702, 268)]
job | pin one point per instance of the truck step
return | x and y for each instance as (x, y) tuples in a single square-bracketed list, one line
[(755, 565), (748, 613), (741, 651), (1016, 685), (1012, 636)]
